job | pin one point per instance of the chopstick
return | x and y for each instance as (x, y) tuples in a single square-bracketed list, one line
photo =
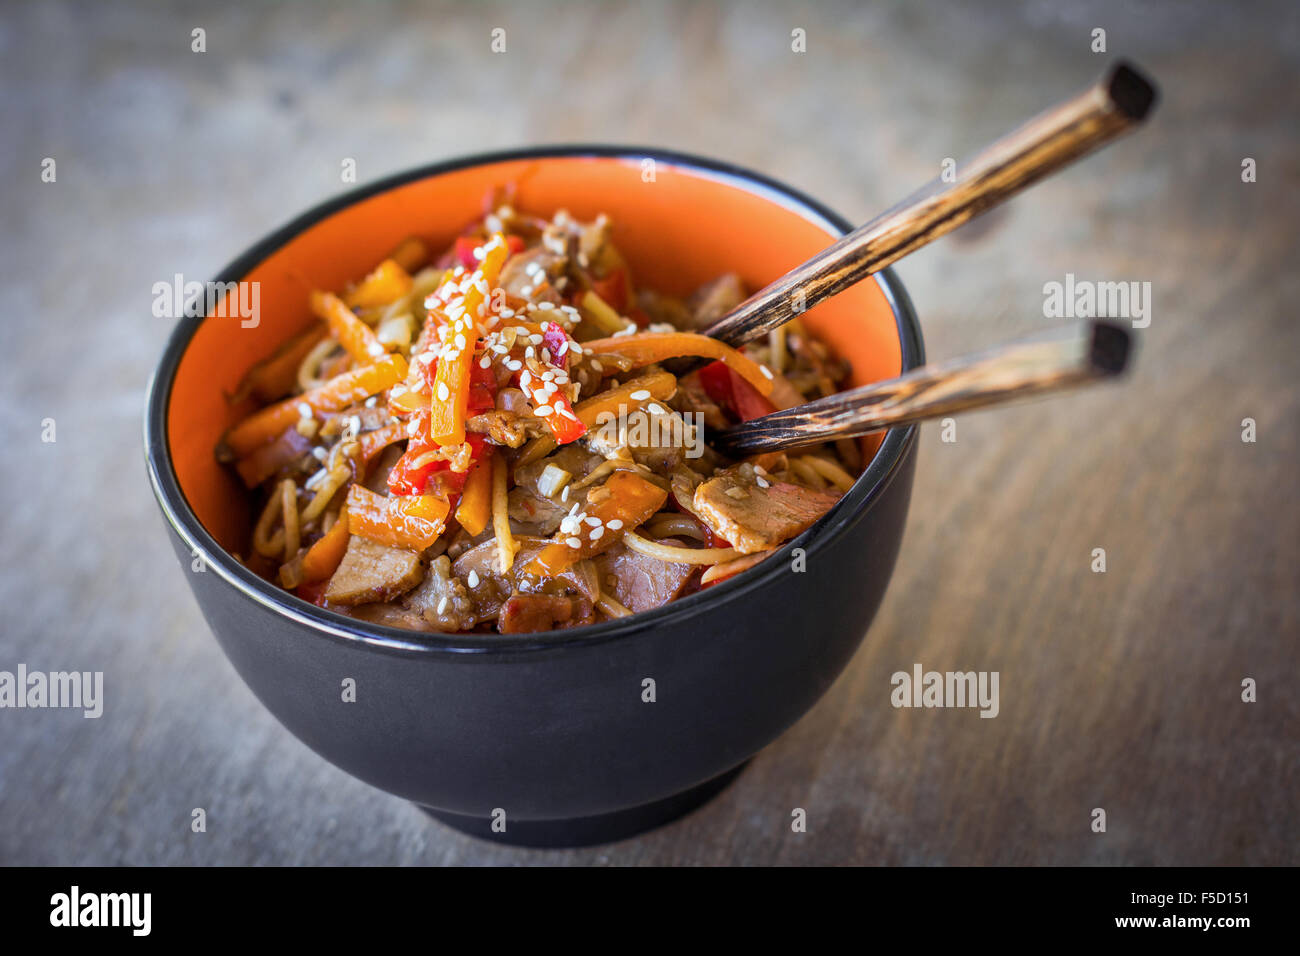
[(1063, 358), (1112, 106)]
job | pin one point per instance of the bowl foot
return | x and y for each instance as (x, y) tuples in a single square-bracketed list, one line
[(588, 831)]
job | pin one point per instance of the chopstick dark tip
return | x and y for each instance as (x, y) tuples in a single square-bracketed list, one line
[(1132, 93), (1110, 347)]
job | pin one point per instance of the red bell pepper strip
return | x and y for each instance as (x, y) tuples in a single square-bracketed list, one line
[(734, 394), (465, 246), (613, 289)]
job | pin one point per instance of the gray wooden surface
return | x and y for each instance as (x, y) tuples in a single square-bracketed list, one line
[(1118, 690)]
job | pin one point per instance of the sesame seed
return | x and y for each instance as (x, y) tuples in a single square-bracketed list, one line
[(762, 482), (593, 522), (564, 495), (444, 393), (472, 580), (485, 362), (574, 543), (543, 410), (526, 290), (442, 605), (765, 370), (596, 533), (640, 395)]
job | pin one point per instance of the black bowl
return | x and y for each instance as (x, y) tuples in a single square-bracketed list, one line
[(550, 734)]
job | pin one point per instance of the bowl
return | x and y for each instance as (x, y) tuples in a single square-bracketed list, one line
[(567, 737)]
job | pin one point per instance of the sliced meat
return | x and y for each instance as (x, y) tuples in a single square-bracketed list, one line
[(479, 568), (691, 397), (525, 613), (592, 239), (715, 299), (640, 582), (442, 601), (754, 518), (656, 436), (368, 419), (507, 428), (521, 273), (540, 513), (389, 615), (373, 572), (663, 309)]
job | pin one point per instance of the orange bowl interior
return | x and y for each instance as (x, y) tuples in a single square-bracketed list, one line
[(677, 232)]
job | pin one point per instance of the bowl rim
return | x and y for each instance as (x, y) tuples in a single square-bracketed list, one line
[(176, 509)]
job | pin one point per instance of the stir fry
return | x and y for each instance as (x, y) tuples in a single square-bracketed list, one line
[(504, 438)]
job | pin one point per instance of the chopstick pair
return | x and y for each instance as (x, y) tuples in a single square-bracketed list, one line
[(1059, 359), (1111, 107)]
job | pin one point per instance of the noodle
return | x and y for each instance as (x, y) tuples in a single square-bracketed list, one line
[(667, 526), (677, 555), (309, 370), (807, 473), (506, 546), (262, 544), (289, 511), (325, 492), (832, 472), (612, 607)]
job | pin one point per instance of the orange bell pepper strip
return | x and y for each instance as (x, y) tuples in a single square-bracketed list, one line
[(357, 338), (645, 348), (386, 284), (410, 521), (376, 440), (450, 392), (631, 501), (475, 508), (277, 376), (660, 385), (411, 253), (323, 558), (338, 393)]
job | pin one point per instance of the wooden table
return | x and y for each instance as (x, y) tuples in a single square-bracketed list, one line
[(1119, 690)]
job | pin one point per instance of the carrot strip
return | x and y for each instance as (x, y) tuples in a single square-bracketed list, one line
[(376, 440), (450, 392), (323, 558), (630, 502), (336, 394), (410, 254), (388, 283), (475, 506), (409, 521), (276, 376), (660, 385), (649, 347), (354, 335)]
